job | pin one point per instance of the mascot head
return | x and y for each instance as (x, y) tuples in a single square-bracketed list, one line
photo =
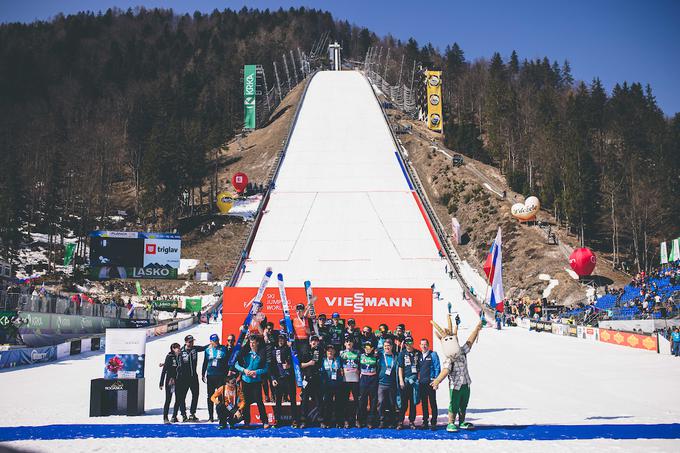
[(448, 338)]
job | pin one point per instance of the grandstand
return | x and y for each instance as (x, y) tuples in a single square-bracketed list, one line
[(627, 304)]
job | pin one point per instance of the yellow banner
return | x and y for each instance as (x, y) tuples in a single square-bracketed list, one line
[(435, 119)]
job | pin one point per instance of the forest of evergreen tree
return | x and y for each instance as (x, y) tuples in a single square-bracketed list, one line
[(143, 97)]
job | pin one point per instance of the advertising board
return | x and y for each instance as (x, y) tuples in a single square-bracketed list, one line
[(124, 353), (122, 254), (367, 306)]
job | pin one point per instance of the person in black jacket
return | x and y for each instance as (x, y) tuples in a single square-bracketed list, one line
[(269, 336), (310, 362), (283, 379), (187, 377), (168, 378)]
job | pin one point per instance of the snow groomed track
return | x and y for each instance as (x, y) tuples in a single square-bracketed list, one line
[(343, 214)]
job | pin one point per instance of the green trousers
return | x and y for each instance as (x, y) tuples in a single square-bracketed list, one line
[(459, 401)]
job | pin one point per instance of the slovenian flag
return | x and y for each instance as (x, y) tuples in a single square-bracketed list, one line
[(495, 273)]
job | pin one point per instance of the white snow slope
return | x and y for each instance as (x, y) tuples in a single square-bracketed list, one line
[(342, 215)]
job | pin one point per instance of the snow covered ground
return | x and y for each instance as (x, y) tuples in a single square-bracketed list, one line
[(522, 378), (342, 215), (245, 207)]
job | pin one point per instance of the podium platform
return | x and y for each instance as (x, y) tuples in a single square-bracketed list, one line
[(116, 397)]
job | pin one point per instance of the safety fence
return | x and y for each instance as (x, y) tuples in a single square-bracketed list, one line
[(648, 342), (13, 357), (63, 304), (401, 96)]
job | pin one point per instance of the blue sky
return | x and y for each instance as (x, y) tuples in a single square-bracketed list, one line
[(615, 40)]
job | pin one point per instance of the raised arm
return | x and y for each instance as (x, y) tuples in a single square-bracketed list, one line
[(473, 335)]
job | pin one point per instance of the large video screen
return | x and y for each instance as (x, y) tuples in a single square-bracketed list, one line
[(121, 254)]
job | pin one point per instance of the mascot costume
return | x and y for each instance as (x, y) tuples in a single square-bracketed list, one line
[(456, 368)]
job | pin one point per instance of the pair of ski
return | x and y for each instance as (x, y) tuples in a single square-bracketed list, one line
[(255, 309)]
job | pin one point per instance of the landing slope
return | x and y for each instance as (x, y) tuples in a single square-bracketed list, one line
[(342, 213)]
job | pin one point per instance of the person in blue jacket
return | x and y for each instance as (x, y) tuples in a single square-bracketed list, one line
[(430, 367), (252, 364), (214, 369), (675, 337), (388, 363)]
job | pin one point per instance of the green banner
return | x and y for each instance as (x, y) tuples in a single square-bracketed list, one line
[(165, 305), (249, 95), (6, 318), (139, 288), (68, 253), (194, 305)]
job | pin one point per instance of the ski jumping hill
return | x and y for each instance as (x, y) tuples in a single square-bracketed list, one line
[(343, 214)]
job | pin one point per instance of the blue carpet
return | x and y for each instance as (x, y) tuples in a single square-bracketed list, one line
[(512, 432)]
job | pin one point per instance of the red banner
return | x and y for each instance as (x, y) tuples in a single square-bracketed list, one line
[(368, 306), (632, 340)]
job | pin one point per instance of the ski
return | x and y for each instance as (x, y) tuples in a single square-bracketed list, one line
[(291, 332), (310, 304), (254, 309)]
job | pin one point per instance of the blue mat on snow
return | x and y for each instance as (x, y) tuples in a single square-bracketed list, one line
[(511, 432)]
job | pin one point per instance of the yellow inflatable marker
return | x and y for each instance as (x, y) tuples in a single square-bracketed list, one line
[(225, 201)]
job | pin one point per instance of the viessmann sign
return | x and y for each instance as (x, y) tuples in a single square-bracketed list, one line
[(368, 306)]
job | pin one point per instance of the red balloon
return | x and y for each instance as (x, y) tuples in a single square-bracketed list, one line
[(239, 181), (583, 261)]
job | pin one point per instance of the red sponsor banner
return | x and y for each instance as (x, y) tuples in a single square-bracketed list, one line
[(368, 306), (632, 340)]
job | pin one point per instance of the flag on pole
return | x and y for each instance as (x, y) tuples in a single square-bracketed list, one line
[(68, 253), (675, 251), (488, 264), (664, 253), (496, 274)]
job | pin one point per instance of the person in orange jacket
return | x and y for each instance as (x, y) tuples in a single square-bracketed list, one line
[(229, 402)]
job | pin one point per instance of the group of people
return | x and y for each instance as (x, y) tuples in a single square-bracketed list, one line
[(350, 377)]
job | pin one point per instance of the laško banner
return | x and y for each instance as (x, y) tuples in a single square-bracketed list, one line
[(367, 306)]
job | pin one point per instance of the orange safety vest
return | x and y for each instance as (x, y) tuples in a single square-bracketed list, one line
[(254, 326), (300, 327)]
